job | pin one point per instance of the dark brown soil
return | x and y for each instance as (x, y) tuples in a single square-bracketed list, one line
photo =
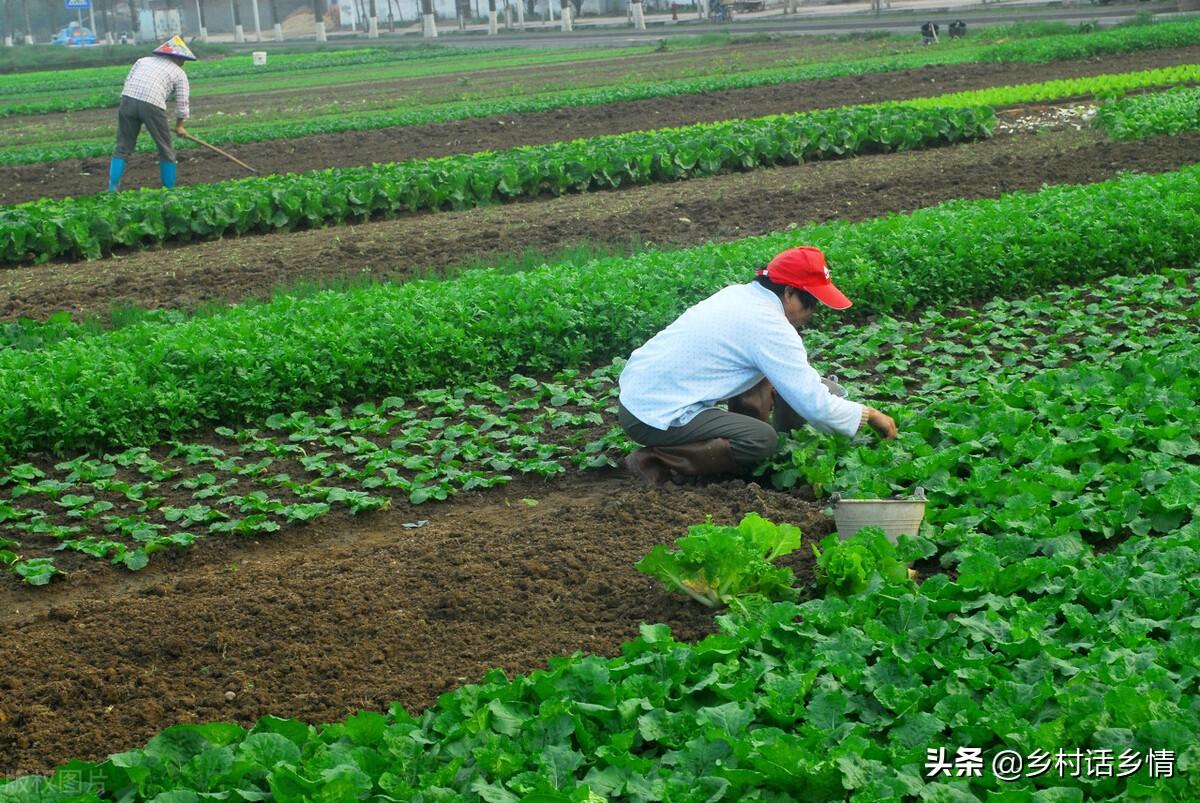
[(351, 614), (683, 214), (81, 177)]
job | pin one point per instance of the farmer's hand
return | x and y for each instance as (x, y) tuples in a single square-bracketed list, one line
[(180, 130), (883, 424)]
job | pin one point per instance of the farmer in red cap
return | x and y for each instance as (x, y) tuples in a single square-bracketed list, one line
[(152, 80), (742, 345)]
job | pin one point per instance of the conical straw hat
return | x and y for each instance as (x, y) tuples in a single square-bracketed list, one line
[(175, 46)]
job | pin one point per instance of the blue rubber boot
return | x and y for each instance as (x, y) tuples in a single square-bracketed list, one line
[(116, 169), (167, 171)]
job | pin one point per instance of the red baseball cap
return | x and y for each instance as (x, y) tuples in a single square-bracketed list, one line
[(804, 267)]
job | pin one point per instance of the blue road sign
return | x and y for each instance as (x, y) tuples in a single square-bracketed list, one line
[(84, 4)]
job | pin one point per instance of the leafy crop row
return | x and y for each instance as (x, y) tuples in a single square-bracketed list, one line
[(94, 225), (126, 506), (1172, 34), (1151, 115), (116, 506), (381, 67), (138, 384), (1076, 46), (238, 65), (1094, 85)]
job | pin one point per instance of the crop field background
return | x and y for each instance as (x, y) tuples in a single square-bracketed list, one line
[(310, 482)]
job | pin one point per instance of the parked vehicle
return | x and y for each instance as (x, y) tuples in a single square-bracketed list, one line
[(74, 35)]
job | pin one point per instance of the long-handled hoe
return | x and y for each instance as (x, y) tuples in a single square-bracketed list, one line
[(228, 156)]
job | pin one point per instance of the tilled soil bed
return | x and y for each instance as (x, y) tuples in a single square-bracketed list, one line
[(351, 614), (82, 177), (687, 213)]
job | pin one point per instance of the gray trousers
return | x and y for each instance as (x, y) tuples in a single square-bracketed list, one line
[(753, 441), (131, 116)]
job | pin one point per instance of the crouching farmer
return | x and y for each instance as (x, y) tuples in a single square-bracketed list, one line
[(740, 345)]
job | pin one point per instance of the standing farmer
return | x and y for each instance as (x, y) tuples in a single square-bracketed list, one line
[(741, 344), (152, 80)]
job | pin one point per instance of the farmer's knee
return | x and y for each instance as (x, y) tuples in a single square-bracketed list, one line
[(754, 444)]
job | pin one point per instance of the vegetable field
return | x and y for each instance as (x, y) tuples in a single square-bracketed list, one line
[(311, 485)]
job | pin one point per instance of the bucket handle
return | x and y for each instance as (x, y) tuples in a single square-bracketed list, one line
[(918, 496)]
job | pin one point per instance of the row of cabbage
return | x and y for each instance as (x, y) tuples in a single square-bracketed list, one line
[(140, 384), (1121, 40), (94, 225)]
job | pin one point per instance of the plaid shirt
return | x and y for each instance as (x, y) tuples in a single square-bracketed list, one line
[(153, 79)]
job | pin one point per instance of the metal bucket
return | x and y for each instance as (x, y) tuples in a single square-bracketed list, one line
[(896, 516)]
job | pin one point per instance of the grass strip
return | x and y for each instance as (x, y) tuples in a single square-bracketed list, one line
[(146, 382)]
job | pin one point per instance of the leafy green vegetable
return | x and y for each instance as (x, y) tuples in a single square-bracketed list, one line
[(865, 560), (715, 564), (1151, 115)]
